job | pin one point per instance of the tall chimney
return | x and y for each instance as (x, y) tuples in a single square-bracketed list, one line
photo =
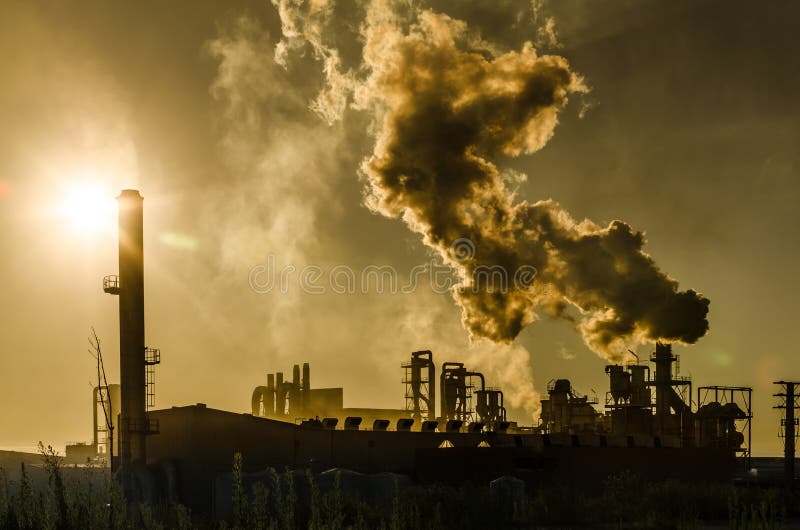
[(280, 394), (133, 422), (306, 394)]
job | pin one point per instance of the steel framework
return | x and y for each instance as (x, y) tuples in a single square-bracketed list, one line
[(789, 424), (742, 396)]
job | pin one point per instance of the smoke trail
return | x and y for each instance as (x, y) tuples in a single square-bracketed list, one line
[(445, 105), (306, 22)]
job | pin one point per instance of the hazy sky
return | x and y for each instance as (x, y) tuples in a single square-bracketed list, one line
[(689, 133)]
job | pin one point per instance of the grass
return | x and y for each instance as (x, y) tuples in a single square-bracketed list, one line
[(288, 501)]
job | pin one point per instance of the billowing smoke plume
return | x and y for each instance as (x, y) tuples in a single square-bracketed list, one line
[(446, 104)]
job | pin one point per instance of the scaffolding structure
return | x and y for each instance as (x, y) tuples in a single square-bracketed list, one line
[(789, 424), (741, 397), (419, 380)]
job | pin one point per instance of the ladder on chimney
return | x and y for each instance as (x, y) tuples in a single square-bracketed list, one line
[(152, 357)]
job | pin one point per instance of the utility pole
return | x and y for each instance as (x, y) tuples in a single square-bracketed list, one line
[(789, 426)]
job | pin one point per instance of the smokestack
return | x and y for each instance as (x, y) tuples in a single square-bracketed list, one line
[(133, 422), (306, 394), (280, 394)]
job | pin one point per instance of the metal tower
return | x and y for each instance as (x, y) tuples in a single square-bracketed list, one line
[(789, 423)]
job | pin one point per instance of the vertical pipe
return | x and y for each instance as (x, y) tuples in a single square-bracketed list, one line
[(443, 392), (280, 395), (269, 398), (788, 447), (306, 395), (294, 394), (131, 331), (269, 401), (416, 382), (431, 388), (306, 377)]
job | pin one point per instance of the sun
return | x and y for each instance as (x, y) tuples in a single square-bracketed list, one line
[(88, 207)]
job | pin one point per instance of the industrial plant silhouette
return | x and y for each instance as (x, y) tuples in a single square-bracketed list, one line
[(453, 429), (399, 264)]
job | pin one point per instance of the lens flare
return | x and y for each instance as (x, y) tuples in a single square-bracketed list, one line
[(88, 208)]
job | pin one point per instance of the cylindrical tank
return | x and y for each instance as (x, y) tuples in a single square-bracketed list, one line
[(280, 396), (735, 439), (295, 406), (641, 395), (451, 395), (306, 377), (494, 404), (448, 390), (637, 374), (95, 400), (111, 401), (482, 404), (115, 396), (619, 383), (546, 415)]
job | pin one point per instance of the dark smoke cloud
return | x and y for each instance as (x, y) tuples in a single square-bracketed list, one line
[(446, 105)]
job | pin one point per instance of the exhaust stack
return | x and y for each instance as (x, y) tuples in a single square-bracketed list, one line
[(133, 421), (134, 357)]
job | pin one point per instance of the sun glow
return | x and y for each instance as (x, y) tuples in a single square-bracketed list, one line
[(88, 208)]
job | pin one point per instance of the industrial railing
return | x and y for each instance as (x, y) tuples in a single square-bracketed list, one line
[(146, 426), (152, 356), (111, 284)]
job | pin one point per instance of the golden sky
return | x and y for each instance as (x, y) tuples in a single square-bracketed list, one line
[(685, 128)]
